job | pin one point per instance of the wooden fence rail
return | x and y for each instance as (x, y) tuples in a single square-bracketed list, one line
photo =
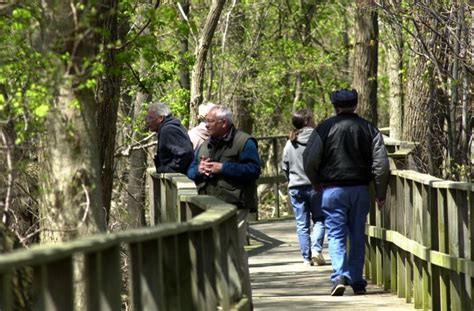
[(419, 245), (192, 265)]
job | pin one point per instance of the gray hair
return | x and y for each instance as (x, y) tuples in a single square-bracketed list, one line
[(160, 109), (223, 112), (203, 109)]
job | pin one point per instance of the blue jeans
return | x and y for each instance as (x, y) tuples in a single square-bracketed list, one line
[(307, 208), (346, 210)]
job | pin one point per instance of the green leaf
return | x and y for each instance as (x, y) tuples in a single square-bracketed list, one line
[(41, 111)]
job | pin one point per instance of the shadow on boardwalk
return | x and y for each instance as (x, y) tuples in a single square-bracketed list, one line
[(280, 281)]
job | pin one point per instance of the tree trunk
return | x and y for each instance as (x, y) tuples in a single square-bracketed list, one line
[(425, 109), (108, 100), (205, 40), (184, 80), (138, 165), (7, 138), (72, 192), (364, 78), (395, 66), (237, 92)]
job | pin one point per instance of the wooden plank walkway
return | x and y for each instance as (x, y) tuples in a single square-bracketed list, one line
[(280, 281)]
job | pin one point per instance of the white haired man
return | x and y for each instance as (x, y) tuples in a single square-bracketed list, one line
[(227, 166), (174, 153)]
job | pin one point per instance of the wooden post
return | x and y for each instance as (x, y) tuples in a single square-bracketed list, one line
[(210, 275), (101, 270), (6, 303), (418, 227), (183, 261), (171, 292), (221, 236), (394, 206), (197, 257), (408, 232), (401, 254), (276, 185), (443, 248), (153, 197), (57, 285)]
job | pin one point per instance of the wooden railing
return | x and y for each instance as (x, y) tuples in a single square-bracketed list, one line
[(192, 265), (276, 145), (420, 245)]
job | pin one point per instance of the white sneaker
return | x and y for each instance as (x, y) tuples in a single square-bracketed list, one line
[(319, 259), (308, 262)]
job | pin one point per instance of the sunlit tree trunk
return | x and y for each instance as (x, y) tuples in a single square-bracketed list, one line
[(205, 40), (365, 63), (184, 79), (238, 75), (72, 192), (135, 194), (395, 66), (425, 103), (138, 165)]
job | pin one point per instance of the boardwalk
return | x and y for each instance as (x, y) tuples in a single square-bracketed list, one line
[(281, 282)]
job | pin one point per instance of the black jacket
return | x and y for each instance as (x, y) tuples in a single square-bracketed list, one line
[(347, 150), (174, 153)]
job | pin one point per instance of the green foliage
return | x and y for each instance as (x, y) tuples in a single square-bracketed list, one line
[(25, 89), (177, 101)]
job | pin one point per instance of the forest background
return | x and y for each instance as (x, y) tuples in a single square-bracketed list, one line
[(76, 78)]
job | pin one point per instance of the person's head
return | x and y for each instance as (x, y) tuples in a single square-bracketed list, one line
[(303, 118), (203, 109), (344, 100), (218, 121), (157, 112)]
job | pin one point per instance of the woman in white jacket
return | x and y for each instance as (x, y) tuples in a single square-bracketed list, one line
[(305, 200)]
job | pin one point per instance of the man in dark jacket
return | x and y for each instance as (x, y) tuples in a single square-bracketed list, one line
[(174, 153), (227, 166), (344, 154)]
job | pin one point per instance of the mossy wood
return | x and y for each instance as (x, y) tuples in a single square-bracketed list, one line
[(420, 243), (189, 262)]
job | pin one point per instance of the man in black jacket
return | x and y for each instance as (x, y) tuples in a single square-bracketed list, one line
[(174, 153), (344, 154)]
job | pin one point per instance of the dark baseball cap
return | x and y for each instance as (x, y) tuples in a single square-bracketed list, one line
[(344, 98)]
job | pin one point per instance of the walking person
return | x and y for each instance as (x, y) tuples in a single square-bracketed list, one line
[(174, 152), (306, 201), (344, 154)]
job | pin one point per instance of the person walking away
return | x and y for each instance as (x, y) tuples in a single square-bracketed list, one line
[(174, 152), (344, 154), (305, 200), (227, 166), (199, 133)]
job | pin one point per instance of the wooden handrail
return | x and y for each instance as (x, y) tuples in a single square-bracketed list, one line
[(187, 265), (420, 243)]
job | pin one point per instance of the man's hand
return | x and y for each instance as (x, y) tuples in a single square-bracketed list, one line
[(208, 167), (380, 203), (212, 168), (203, 165)]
